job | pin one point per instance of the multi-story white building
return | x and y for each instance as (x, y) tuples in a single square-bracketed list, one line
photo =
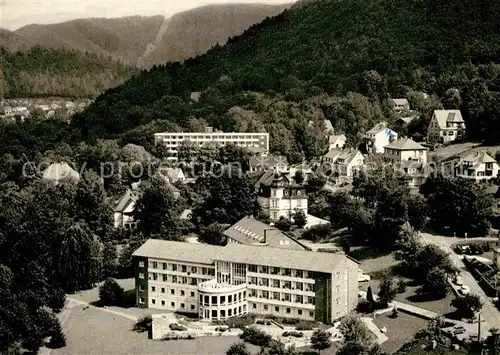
[(173, 140), (410, 158), (446, 126), (378, 137), (217, 282), (280, 195), (343, 163), (477, 166)]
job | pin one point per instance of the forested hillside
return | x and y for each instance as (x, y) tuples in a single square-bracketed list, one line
[(373, 47), (41, 72)]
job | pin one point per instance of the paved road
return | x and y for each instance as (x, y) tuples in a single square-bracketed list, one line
[(489, 312)]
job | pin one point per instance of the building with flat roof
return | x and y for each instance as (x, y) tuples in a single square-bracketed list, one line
[(174, 140), (218, 282)]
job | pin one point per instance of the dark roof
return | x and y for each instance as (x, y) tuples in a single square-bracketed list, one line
[(248, 230)]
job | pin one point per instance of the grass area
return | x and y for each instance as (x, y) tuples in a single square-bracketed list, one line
[(399, 330), (418, 349), (93, 331), (365, 253)]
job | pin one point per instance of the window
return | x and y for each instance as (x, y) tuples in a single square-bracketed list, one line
[(184, 268), (288, 272), (192, 307), (182, 293), (299, 299), (172, 304), (153, 289), (141, 288), (450, 133), (298, 273), (153, 301), (298, 193), (338, 288), (214, 313), (141, 300), (141, 263), (155, 265), (214, 299), (174, 267), (192, 294), (163, 290), (288, 310), (230, 299), (338, 300), (254, 305), (183, 305), (194, 270), (162, 302), (172, 291), (141, 275), (286, 192), (276, 309), (265, 307), (174, 279), (276, 283), (311, 313), (165, 278), (165, 266), (299, 203), (299, 312)]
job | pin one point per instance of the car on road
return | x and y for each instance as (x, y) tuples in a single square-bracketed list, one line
[(458, 330), (458, 281), (363, 277), (464, 290)]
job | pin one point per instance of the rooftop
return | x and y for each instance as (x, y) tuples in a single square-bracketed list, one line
[(444, 116), (400, 102), (405, 144), (59, 171), (334, 138)]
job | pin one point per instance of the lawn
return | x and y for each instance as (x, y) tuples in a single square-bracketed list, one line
[(399, 330), (93, 331), (418, 349)]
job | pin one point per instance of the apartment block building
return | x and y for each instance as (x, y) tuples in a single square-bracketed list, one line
[(174, 140), (218, 282)]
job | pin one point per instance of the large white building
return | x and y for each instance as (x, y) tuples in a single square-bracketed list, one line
[(173, 140), (217, 282), (410, 158), (378, 137)]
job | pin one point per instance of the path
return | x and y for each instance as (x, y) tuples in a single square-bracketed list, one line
[(381, 337), (125, 315), (489, 312)]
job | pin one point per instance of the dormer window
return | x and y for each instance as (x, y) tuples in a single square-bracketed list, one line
[(286, 193), (298, 193)]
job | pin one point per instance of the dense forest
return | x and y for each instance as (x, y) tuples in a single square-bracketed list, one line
[(42, 72)]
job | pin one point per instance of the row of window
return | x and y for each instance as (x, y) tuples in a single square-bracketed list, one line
[(285, 297), (173, 292), (183, 280), (216, 136), (275, 283), (214, 313), (182, 305), (221, 300), (179, 268), (277, 309), (285, 192), (262, 269)]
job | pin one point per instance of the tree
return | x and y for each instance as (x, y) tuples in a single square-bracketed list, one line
[(283, 223), (238, 349), (436, 283), (157, 212), (57, 338), (57, 300), (320, 340), (387, 290), (468, 305), (299, 218), (110, 293), (316, 181), (214, 234), (109, 260), (369, 295), (354, 330)]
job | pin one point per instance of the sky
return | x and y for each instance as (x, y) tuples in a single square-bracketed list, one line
[(17, 13)]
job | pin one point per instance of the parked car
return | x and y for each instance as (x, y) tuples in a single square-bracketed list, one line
[(458, 281), (459, 330), (363, 277), (464, 290)]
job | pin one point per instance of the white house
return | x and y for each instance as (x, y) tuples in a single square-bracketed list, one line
[(260, 163), (410, 158), (337, 141), (343, 163), (446, 126), (173, 175), (477, 166), (59, 171), (378, 137), (400, 105)]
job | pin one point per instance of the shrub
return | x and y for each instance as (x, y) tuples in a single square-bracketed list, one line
[(261, 322), (57, 300), (57, 339), (144, 324), (178, 327), (240, 321), (221, 329), (255, 336), (318, 232), (304, 326), (293, 334), (401, 286), (290, 321), (394, 313), (110, 293), (365, 306)]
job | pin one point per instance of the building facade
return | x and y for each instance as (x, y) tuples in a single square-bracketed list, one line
[(238, 279), (174, 140), (477, 166), (400, 105), (378, 137), (280, 195), (410, 158), (446, 126)]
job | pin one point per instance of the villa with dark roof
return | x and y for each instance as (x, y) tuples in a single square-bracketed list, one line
[(217, 283)]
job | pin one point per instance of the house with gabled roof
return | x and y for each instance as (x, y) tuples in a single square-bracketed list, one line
[(60, 171), (477, 166), (446, 126), (378, 137), (271, 161), (343, 163), (400, 105), (337, 141), (410, 158)]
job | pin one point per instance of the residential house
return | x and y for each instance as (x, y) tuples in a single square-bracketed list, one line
[(343, 163), (219, 282), (410, 158), (250, 231), (378, 137), (260, 163), (60, 171), (477, 166), (406, 120), (173, 175), (327, 128), (446, 126), (400, 105), (280, 195), (124, 209), (337, 141)]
